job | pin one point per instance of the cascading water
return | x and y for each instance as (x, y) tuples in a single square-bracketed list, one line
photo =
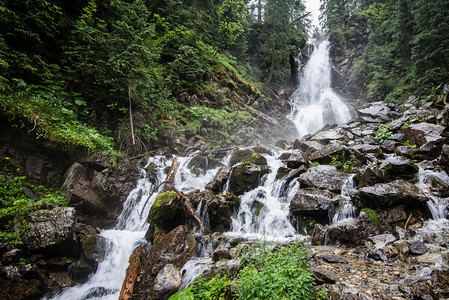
[(438, 208), (264, 211), (129, 231), (314, 103), (345, 209)]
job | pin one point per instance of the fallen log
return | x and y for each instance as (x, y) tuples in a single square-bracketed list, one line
[(131, 274)]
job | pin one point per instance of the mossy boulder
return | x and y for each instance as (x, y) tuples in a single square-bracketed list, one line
[(247, 155), (166, 213), (245, 177)]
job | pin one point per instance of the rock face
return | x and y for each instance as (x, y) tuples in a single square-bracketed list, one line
[(51, 231), (389, 194), (174, 248), (167, 282), (324, 177)]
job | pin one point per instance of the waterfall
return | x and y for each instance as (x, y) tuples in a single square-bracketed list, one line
[(314, 103), (120, 241), (438, 208), (264, 211), (345, 209)]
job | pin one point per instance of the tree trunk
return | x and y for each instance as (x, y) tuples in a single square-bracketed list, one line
[(270, 76)]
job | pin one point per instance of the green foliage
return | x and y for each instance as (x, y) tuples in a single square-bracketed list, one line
[(314, 164), (383, 132), (372, 215), (15, 205), (407, 143), (335, 161), (350, 164), (279, 273), (184, 294), (232, 15)]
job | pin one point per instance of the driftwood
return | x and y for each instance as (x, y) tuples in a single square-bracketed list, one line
[(406, 223), (131, 274)]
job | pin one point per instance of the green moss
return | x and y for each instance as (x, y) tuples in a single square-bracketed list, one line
[(164, 198), (372, 215), (259, 207), (255, 155)]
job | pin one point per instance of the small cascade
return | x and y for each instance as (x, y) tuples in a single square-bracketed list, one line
[(194, 268), (314, 103), (345, 209), (264, 211), (438, 208), (120, 241)]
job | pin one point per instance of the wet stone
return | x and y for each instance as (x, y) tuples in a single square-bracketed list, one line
[(417, 247), (334, 259), (377, 254)]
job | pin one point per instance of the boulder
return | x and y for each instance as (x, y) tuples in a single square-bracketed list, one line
[(176, 248), (377, 254), (165, 214), (283, 144), (247, 155), (444, 157), (423, 133), (376, 112), (352, 232), (327, 153), (382, 240), (417, 247), (313, 203), (368, 177), (52, 232), (199, 164), (293, 159), (327, 136), (167, 282), (366, 148), (397, 167), (307, 146), (245, 177), (324, 177), (217, 184), (384, 195)]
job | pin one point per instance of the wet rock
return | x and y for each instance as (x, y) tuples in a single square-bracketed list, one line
[(80, 270), (19, 289), (389, 146), (444, 157), (307, 146), (221, 253), (313, 203), (51, 232), (323, 275), (167, 282), (368, 177), (398, 167), (199, 164), (318, 234), (324, 177), (282, 172), (377, 254), (219, 180), (376, 112), (334, 259), (293, 160), (329, 135), (417, 247), (12, 256), (422, 133), (245, 177), (247, 155), (327, 153), (165, 214), (390, 194), (399, 232), (175, 248), (381, 240), (352, 232), (283, 144), (366, 148), (423, 291)]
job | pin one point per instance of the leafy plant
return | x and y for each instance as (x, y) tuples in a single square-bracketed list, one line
[(349, 165), (383, 132), (372, 215), (407, 143)]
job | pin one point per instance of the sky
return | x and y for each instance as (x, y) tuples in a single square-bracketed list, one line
[(314, 7)]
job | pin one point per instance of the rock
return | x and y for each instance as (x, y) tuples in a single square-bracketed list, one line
[(11, 257), (51, 232), (376, 112), (245, 177), (324, 177), (384, 195), (219, 208), (397, 167), (19, 289), (307, 146), (323, 275), (334, 259), (219, 180), (327, 153), (377, 254), (167, 282), (424, 291), (399, 232), (81, 192), (389, 146), (313, 203), (221, 253), (329, 135), (199, 164), (417, 247), (381, 240), (247, 155), (444, 157), (283, 144), (175, 248), (422, 133), (293, 159), (166, 213), (352, 232), (368, 177), (366, 148), (318, 234)]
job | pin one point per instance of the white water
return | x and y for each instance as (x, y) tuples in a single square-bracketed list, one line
[(345, 209), (264, 211), (120, 242), (314, 103), (438, 208)]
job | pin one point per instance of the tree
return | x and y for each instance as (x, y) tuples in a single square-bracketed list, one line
[(232, 15)]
